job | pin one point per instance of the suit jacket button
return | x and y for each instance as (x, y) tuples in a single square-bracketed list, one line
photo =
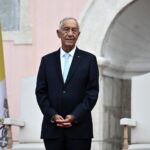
[(64, 92)]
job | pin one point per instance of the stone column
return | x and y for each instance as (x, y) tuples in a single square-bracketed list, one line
[(116, 104)]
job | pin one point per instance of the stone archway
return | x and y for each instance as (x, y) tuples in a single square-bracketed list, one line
[(121, 35), (127, 47), (126, 44)]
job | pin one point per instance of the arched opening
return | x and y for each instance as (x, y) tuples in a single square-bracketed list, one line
[(127, 47), (127, 43)]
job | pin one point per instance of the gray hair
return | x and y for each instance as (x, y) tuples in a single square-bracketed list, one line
[(68, 18)]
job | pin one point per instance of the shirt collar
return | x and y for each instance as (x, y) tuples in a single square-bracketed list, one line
[(71, 53)]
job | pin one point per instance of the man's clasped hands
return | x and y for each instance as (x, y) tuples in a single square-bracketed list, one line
[(63, 122)]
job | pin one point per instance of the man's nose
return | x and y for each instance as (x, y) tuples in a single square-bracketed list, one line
[(70, 32)]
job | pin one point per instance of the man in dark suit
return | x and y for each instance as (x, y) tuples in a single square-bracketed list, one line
[(67, 90)]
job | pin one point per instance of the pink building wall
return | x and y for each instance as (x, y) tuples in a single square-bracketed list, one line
[(23, 60)]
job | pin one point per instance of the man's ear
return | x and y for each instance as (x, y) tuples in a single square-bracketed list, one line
[(79, 34), (58, 33)]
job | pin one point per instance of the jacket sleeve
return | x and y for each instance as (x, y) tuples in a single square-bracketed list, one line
[(92, 90), (42, 92)]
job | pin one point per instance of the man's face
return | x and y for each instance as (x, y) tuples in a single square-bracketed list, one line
[(68, 34)]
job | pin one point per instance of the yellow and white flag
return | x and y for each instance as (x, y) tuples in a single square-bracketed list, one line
[(2, 95), (2, 79)]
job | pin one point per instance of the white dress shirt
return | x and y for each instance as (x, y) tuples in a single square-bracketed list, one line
[(62, 58)]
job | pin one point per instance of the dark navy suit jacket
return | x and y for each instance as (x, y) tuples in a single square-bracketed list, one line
[(77, 96)]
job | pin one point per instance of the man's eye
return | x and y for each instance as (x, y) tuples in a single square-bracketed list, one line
[(75, 30), (66, 29)]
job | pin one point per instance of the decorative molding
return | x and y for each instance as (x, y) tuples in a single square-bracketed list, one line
[(15, 122), (121, 74), (24, 35)]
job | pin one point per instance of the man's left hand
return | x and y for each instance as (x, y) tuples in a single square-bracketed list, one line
[(67, 122), (70, 119)]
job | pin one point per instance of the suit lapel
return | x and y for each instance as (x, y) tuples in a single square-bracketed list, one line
[(58, 66), (74, 64)]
